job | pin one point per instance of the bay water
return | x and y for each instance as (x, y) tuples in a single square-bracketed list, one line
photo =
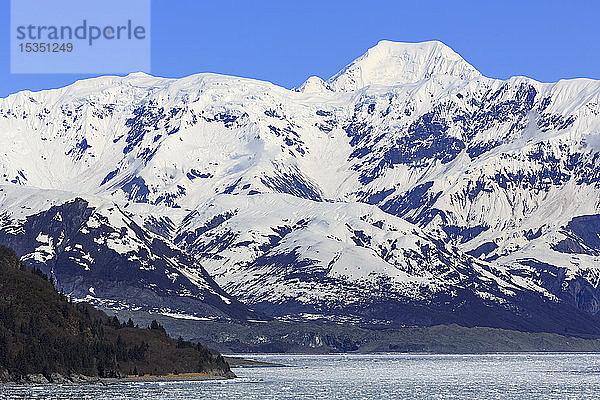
[(381, 376)]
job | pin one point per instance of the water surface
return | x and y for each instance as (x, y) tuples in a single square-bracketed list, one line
[(390, 376)]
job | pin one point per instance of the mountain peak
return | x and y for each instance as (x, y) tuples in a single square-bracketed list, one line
[(314, 84), (395, 63)]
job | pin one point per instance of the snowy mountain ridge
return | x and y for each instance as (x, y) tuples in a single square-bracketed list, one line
[(406, 189), (392, 63)]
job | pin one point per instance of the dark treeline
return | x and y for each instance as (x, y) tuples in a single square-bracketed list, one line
[(44, 332)]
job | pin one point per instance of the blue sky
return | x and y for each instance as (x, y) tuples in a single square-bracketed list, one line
[(287, 41)]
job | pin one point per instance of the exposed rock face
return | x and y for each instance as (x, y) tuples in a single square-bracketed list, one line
[(58, 378), (4, 375), (36, 379)]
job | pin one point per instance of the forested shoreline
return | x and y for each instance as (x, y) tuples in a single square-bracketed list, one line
[(44, 333)]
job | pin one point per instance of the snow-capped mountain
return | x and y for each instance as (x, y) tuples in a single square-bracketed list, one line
[(94, 250), (392, 64), (406, 189)]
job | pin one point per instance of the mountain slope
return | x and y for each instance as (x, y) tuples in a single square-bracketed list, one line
[(306, 260), (98, 253)]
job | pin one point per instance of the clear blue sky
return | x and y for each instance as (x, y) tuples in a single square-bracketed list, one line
[(286, 41)]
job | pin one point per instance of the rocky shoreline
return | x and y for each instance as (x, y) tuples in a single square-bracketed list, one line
[(78, 379), (41, 379)]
